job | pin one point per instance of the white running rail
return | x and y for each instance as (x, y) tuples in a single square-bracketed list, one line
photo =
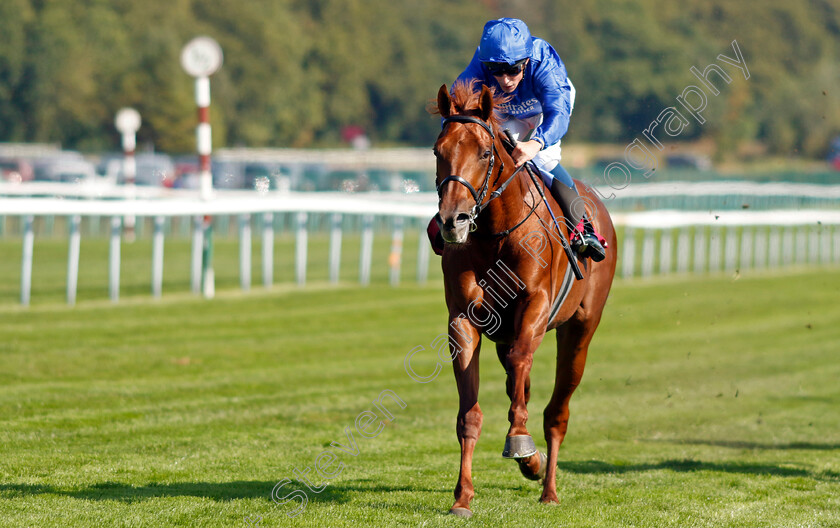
[(653, 243)]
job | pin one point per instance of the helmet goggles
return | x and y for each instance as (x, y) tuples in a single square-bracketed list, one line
[(498, 69)]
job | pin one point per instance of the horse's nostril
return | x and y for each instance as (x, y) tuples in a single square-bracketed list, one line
[(461, 218)]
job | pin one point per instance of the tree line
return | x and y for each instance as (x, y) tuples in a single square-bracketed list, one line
[(297, 72)]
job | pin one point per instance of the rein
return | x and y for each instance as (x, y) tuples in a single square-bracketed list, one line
[(478, 196)]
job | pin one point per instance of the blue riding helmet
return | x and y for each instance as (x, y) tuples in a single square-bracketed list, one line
[(505, 40)]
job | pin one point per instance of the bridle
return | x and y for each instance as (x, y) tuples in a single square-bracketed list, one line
[(479, 195)]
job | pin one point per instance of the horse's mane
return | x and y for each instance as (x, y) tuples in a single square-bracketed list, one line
[(466, 97)]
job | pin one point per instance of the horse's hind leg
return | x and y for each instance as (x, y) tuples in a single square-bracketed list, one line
[(468, 426), (572, 346)]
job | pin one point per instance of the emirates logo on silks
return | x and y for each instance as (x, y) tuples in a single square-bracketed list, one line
[(531, 106)]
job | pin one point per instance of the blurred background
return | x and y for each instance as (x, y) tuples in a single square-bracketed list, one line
[(711, 391), (328, 74), (331, 96)]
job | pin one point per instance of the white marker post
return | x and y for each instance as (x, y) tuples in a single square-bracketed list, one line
[(128, 122), (201, 58)]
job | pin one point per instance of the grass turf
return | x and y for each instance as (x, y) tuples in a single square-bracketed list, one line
[(705, 403)]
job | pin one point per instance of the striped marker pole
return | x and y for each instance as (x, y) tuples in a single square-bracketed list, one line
[(203, 136), (128, 123), (201, 58), (204, 145), (129, 142)]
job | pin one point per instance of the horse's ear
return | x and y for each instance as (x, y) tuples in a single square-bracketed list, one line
[(444, 102), (486, 103)]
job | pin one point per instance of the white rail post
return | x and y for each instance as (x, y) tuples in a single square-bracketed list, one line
[(683, 251), (760, 247), (366, 253), (747, 240), (629, 254), (73, 259), (836, 244), (300, 248), (114, 259), (825, 244), (395, 257), (813, 245), (245, 252), (715, 250), (208, 273), (648, 253), (335, 247), (699, 249), (157, 258), (422, 257), (731, 249), (268, 250), (788, 247), (26, 264), (197, 249), (774, 248), (801, 244), (665, 249)]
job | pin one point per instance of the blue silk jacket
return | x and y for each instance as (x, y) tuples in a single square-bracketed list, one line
[(545, 89)]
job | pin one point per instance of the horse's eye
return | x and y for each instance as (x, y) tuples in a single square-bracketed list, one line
[(486, 154)]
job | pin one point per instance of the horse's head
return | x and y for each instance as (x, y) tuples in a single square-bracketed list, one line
[(465, 155)]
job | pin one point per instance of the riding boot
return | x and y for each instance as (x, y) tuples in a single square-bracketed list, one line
[(435, 238), (582, 234)]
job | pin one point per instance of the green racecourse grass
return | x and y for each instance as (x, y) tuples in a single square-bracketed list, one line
[(706, 402)]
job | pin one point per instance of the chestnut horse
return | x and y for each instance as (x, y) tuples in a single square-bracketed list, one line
[(507, 275)]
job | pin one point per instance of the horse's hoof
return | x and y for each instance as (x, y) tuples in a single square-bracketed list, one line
[(460, 512), (526, 471), (550, 499), (519, 446)]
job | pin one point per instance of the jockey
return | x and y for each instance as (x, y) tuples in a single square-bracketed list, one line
[(542, 97)]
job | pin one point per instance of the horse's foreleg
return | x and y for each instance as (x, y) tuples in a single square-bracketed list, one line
[(533, 467), (519, 443), (465, 346), (572, 345)]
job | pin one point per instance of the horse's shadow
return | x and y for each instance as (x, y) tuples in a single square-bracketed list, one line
[(764, 446), (122, 492), (340, 492), (689, 465), (597, 467)]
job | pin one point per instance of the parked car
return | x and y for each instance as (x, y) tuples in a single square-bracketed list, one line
[(68, 171), (152, 169), (187, 175), (15, 170), (266, 177), (227, 174), (689, 161), (834, 153)]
